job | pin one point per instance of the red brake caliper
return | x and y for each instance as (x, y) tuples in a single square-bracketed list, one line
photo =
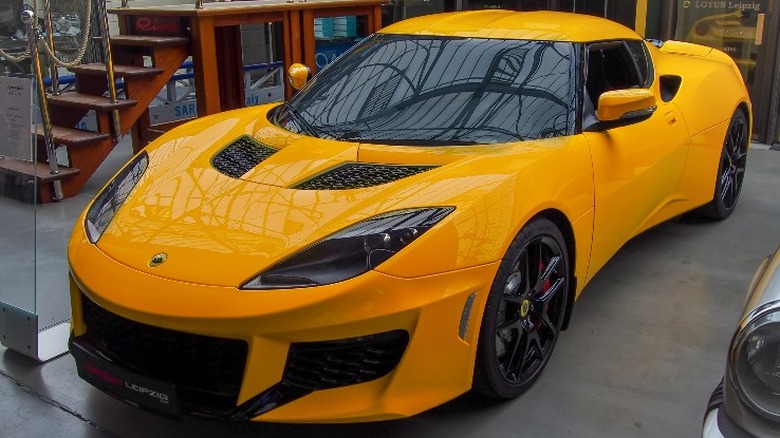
[(545, 288)]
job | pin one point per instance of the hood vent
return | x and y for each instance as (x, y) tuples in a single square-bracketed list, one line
[(241, 156), (359, 175)]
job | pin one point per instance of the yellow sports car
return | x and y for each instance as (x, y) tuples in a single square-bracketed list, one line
[(415, 223)]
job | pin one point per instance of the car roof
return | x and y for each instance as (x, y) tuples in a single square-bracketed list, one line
[(503, 24)]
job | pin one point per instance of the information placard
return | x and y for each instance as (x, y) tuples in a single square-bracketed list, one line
[(16, 117)]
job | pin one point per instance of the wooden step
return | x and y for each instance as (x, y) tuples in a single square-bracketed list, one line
[(148, 41), (124, 71), (89, 102), (39, 171), (73, 137)]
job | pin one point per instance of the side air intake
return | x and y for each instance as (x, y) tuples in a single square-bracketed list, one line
[(359, 175), (241, 156)]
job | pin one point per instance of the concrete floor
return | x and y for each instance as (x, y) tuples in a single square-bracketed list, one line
[(646, 346)]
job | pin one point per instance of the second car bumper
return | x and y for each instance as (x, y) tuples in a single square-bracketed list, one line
[(717, 423)]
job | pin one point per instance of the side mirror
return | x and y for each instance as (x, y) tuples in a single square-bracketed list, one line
[(626, 105), (298, 75)]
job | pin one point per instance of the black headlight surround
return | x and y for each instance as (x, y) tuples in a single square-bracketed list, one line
[(106, 204), (349, 252)]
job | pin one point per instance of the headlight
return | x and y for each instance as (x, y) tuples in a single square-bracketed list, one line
[(350, 252), (108, 202), (755, 362)]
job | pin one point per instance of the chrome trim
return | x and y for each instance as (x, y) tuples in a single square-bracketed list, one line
[(638, 113), (763, 297), (106, 44), (29, 18), (55, 79), (711, 429)]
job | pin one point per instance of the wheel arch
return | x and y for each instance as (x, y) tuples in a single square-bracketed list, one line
[(564, 225)]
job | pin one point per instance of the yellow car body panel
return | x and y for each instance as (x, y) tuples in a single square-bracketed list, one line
[(218, 232), (538, 25)]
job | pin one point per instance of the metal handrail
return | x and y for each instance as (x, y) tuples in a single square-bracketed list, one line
[(29, 19), (110, 77), (55, 86)]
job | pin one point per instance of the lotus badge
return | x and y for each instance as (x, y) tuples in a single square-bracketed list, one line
[(158, 259)]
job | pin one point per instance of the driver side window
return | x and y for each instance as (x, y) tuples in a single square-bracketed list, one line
[(613, 65)]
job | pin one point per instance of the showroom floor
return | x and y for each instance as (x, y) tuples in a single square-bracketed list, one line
[(646, 346)]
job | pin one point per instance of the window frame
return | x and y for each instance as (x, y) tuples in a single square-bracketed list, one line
[(632, 52)]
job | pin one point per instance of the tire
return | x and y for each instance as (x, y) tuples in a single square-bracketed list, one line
[(731, 171), (524, 312)]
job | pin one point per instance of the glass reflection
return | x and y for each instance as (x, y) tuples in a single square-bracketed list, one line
[(422, 90)]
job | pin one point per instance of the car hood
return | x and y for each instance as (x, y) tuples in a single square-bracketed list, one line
[(222, 230)]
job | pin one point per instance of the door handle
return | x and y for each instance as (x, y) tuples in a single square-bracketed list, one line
[(670, 117), (760, 29)]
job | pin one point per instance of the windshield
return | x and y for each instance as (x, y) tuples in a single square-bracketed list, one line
[(423, 90)]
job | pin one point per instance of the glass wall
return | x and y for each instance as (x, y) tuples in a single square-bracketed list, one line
[(34, 287)]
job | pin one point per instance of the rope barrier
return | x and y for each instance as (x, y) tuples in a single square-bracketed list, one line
[(85, 34)]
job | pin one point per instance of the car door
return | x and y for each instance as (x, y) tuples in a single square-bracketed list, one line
[(636, 167)]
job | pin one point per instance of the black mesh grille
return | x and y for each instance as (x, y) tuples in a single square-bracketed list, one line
[(331, 364), (241, 156), (359, 175), (207, 371)]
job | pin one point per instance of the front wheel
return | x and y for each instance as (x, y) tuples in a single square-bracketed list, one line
[(731, 171), (524, 312)]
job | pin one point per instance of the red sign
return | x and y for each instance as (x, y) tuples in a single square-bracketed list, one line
[(157, 26)]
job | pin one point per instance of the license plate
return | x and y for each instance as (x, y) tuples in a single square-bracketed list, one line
[(135, 389)]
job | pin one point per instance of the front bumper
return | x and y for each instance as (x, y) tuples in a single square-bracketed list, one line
[(256, 341)]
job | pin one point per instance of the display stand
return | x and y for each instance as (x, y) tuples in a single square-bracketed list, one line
[(19, 332), (22, 327)]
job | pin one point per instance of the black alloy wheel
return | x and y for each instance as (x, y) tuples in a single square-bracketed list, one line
[(524, 312), (731, 170)]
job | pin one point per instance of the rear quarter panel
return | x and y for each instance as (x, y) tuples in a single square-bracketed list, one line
[(711, 90)]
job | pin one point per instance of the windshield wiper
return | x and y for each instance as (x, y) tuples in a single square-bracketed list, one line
[(350, 136), (303, 124)]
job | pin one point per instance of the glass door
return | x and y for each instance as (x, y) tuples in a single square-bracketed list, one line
[(748, 32), (733, 27)]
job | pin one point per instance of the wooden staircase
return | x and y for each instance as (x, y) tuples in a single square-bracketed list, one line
[(143, 65)]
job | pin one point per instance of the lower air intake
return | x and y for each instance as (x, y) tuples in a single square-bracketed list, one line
[(332, 364), (207, 371)]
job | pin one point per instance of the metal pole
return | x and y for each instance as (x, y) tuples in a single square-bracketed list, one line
[(28, 17), (106, 43), (198, 4), (55, 78)]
